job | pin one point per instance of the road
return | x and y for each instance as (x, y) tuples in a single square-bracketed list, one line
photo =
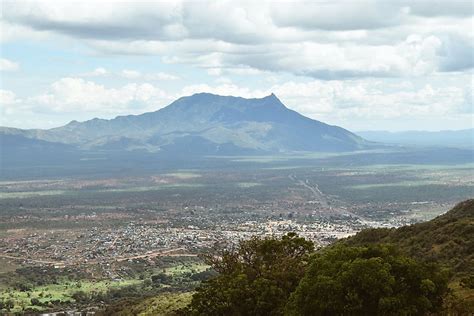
[(161, 253), (323, 200)]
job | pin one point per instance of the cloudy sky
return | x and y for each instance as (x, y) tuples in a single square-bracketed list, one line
[(360, 64)]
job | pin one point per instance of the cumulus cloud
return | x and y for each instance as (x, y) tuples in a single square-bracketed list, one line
[(98, 72), (456, 54), (8, 65), (369, 100), (441, 8), (7, 97), (349, 103), (69, 95), (227, 89), (131, 74), (9, 103), (339, 15), (364, 100), (320, 39), (134, 74)]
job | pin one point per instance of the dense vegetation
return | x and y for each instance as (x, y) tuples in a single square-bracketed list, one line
[(257, 278), (447, 239), (374, 280), (282, 277)]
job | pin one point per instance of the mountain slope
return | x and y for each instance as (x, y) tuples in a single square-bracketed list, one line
[(215, 124), (448, 240)]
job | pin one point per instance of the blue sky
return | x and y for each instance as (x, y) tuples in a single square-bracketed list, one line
[(363, 65)]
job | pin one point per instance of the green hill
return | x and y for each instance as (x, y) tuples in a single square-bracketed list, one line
[(448, 239)]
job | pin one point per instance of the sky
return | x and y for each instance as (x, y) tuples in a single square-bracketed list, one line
[(360, 64)]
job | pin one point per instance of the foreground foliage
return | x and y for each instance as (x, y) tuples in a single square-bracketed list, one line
[(373, 280), (279, 277), (255, 279)]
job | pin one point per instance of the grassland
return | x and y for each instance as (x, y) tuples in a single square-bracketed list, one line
[(62, 292), (163, 305), (29, 194)]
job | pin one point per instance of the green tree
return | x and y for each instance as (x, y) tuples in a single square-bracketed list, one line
[(375, 280), (9, 304), (35, 301), (256, 278), (161, 278)]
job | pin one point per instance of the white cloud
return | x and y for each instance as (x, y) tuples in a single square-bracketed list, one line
[(7, 97), (368, 100), (133, 74), (355, 100), (227, 89), (160, 76), (340, 61), (320, 39), (69, 95), (9, 103), (339, 15), (8, 65), (130, 74), (98, 72)]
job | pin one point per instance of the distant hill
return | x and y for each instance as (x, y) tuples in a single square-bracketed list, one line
[(201, 124), (459, 138)]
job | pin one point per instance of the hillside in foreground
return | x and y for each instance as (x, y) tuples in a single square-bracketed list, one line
[(421, 269), (447, 239)]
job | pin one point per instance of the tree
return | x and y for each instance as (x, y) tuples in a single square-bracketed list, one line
[(80, 296), (35, 301), (9, 304), (375, 280), (256, 278), (161, 278)]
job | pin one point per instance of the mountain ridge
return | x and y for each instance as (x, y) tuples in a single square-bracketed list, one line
[(258, 125)]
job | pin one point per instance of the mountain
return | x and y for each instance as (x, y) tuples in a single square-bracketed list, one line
[(460, 138), (200, 124)]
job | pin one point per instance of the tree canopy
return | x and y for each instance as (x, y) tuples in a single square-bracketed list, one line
[(256, 278), (375, 280), (286, 277)]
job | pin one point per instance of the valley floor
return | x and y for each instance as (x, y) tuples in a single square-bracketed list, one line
[(67, 241)]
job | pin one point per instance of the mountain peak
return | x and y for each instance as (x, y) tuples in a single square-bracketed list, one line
[(272, 95), (208, 95), (208, 122)]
